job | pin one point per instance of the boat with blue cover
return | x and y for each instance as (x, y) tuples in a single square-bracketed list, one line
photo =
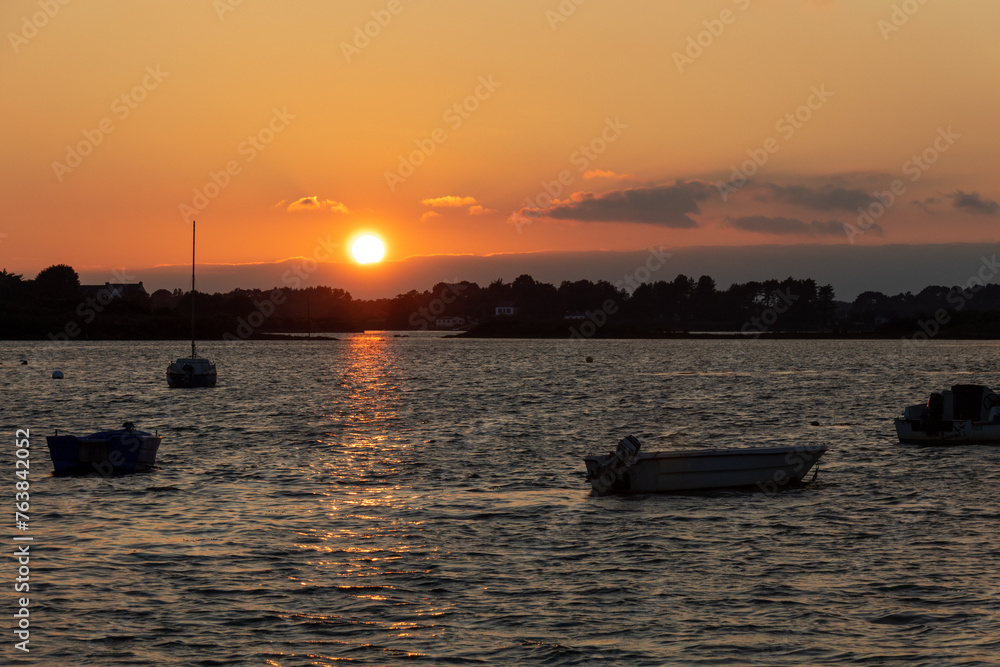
[(118, 452)]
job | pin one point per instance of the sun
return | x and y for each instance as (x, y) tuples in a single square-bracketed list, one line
[(368, 249)]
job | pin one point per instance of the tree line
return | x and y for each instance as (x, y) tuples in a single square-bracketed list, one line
[(53, 305)]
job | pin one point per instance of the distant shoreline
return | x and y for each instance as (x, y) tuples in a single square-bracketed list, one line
[(541, 335), (696, 335)]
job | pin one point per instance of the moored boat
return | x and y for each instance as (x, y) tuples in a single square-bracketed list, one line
[(626, 470), (117, 452), (965, 414), (193, 371)]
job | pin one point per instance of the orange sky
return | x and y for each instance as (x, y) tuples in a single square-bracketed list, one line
[(494, 100)]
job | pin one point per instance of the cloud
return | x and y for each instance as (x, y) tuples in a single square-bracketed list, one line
[(926, 205), (974, 203), (826, 198), (449, 201), (610, 175), (453, 202), (665, 205), (315, 204), (792, 226)]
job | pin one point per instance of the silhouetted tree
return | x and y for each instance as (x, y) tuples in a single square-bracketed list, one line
[(58, 282)]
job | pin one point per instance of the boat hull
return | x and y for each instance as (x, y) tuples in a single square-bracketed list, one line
[(188, 381), (107, 453), (766, 468), (952, 432), (191, 372)]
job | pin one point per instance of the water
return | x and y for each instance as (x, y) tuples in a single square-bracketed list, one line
[(380, 500)]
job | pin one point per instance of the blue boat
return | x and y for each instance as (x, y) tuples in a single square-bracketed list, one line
[(120, 452)]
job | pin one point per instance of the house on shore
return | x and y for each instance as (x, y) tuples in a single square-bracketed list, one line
[(506, 309), (449, 322), (108, 292)]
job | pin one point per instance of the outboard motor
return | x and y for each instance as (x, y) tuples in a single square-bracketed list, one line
[(934, 413), (970, 401), (615, 466)]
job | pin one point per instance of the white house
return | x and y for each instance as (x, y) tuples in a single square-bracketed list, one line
[(506, 308)]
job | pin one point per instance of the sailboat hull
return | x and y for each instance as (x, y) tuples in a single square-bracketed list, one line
[(180, 381), (191, 372)]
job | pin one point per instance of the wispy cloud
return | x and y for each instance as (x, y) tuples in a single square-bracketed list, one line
[(792, 226), (314, 203), (927, 205), (823, 198), (453, 202), (974, 203), (448, 201), (666, 205), (607, 175)]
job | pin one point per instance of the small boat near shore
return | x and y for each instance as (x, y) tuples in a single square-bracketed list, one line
[(118, 452), (627, 470), (965, 414)]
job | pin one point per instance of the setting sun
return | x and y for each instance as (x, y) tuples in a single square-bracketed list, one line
[(368, 249)]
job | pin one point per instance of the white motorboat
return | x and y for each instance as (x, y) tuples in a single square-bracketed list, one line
[(193, 371), (965, 414), (626, 470)]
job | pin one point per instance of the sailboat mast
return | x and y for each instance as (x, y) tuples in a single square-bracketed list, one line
[(193, 223)]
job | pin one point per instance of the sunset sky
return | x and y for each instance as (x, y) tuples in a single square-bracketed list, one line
[(476, 128)]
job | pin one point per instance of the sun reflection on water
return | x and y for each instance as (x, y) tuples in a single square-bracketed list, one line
[(370, 541)]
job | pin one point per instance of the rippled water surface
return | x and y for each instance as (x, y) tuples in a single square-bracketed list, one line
[(381, 500)]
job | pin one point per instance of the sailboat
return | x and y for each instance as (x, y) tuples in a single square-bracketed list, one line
[(193, 371)]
